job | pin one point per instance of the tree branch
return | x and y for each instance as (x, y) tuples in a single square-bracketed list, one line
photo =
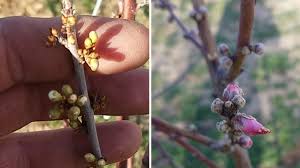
[(128, 10), (244, 36), (164, 153), (68, 11), (171, 131)]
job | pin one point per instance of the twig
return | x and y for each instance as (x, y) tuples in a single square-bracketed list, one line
[(241, 157), (195, 152), (171, 130), (97, 8), (244, 36), (68, 11), (164, 153)]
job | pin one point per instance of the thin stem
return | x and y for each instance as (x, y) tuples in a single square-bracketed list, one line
[(97, 8), (68, 11), (164, 153)]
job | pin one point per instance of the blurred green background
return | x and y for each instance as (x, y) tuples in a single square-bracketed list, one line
[(271, 82), (50, 8)]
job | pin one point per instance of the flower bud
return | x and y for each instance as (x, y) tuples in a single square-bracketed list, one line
[(259, 48), (228, 104), (55, 96), (90, 158), (239, 101), (72, 99), (53, 32), (231, 90), (80, 52), (245, 141), (55, 113), (245, 50), (88, 43), (73, 113), (249, 125), (93, 55), (64, 19), (74, 124), (71, 20), (81, 101), (66, 90), (93, 36), (217, 105), (101, 162), (222, 126), (94, 64), (223, 49), (71, 39)]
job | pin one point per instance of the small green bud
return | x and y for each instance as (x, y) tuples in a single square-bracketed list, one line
[(94, 64), (66, 90), (90, 158), (55, 113), (72, 98), (88, 43), (81, 101), (93, 36), (101, 162), (74, 124), (55, 96), (73, 113)]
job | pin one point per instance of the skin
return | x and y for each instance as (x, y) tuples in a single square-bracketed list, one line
[(28, 70)]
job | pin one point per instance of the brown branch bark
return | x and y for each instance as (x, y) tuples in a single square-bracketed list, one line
[(79, 69), (241, 157), (171, 131), (244, 36), (195, 152)]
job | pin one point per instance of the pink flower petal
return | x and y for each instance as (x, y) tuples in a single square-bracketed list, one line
[(249, 125)]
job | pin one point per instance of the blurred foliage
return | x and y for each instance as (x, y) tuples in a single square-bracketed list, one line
[(271, 82)]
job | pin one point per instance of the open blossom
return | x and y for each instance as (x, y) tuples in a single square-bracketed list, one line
[(245, 141), (249, 125), (231, 90)]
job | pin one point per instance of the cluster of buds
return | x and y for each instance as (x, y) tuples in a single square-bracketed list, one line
[(93, 162), (67, 103), (67, 37), (238, 126), (256, 48)]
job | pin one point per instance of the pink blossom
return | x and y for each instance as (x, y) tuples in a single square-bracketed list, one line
[(231, 90), (249, 125), (245, 141)]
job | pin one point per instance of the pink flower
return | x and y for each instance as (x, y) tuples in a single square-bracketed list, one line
[(245, 141), (249, 125), (231, 90)]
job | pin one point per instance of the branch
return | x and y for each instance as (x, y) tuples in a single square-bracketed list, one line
[(68, 11), (97, 8), (171, 130), (241, 157), (244, 36), (195, 152), (165, 4)]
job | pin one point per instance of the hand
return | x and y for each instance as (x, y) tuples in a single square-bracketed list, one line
[(28, 70)]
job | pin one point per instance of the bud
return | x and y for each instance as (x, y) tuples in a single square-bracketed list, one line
[(73, 113), (245, 141), (259, 48), (71, 39), (90, 158), (94, 64), (222, 126), (217, 105), (228, 104), (66, 90), (55, 113), (93, 55), (74, 124), (80, 52), (72, 98), (101, 163), (81, 101), (239, 101), (249, 125), (93, 36), (231, 90), (55, 96), (53, 32), (223, 49), (245, 50), (88, 43), (71, 20), (63, 19), (225, 62)]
